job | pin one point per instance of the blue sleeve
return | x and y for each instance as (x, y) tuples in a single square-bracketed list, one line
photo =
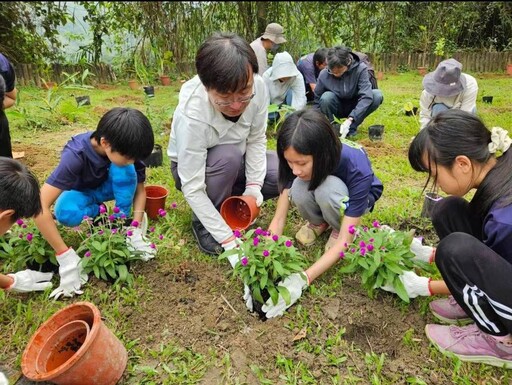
[(358, 191)]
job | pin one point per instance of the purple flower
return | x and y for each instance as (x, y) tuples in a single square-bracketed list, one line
[(153, 246), (111, 218), (162, 212), (29, 237), (161, 237), (237, 234), (100, 232), (362, 251), (123, 216), (362, 244), (352, 229), (19, 222), (342, 255), (103, 209), (288, 243), (376, 224), (174, 205), (24, 226), (87, 254), (370, 247), (371, 240), (365, 229), (255, 241), (114, 231), (129, 233), (244, 261), (259, 231), (352, 250), (275, 237), (151, 229), (116, 210), (345, 244), (135, 224), (266, 253), (20, 236)]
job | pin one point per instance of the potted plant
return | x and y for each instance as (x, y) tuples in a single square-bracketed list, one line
[(264, 261), (104, 246), (379, 257), (164, 64), (143, 75)]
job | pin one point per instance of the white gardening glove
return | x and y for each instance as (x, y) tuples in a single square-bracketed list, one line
[(414, 285), (3, 379), (344, 127), (295, 283), (71, 275), (137, 242), (254, 191), (30, 280), (422, 252)]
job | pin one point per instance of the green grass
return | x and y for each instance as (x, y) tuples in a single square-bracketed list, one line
[(328, 353)]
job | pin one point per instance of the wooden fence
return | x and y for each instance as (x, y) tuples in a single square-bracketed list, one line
[(496, 62), (30, 74), (471, 61)]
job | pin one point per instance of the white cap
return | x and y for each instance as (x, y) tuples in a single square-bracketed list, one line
[(283, 66)]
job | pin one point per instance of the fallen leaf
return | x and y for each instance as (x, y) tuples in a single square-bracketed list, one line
[(300, 335)]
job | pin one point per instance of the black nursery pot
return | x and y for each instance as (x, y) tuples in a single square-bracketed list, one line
[(155, 159), (83, 100), (431, 198), (375, 132), (256, 306), (149, 91), (487, 99), (45, 267)]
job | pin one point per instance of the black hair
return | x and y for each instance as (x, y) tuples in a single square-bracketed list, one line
[(320, 56), (309, 132), (19, 189), (455, 132), (223, 62), (2, 92), (339, 56), (128, 132)]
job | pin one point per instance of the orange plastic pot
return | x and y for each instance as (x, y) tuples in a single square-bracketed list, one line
[(155, 200), (239, 211), (99, 360)]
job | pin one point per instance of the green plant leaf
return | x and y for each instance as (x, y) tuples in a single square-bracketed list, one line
[(285, 294)]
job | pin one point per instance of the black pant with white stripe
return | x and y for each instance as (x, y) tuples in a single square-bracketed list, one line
[(479, 279)]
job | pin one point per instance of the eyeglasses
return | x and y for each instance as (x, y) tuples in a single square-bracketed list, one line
[(243, 101), (336, 74)]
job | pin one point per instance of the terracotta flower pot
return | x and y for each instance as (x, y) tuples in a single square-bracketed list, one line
[(48, 85), (132, 84), (155, 200), (380, 75), (422, 71), (99, 360), (165, 80), (509, 68), (239, 211), (62, 345)]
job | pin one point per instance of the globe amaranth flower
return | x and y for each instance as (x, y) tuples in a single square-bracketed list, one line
[(342, 255), (288, 243), (153, 246), (29, 237), (111, 218), (259, 231), (244, 261), (135, 223), (255, 241), (376, 224), (237, 234), (100, 232), (19, 222), (352, 229), (371, 240), (362, 244), (114, 231), (160, 237), (362, 251), (87, 253), (103, 209), (174, 205), (129, 233), (116, 210), (275, 237), (151, 229), (266, 253), (369, 247), (162, 212)]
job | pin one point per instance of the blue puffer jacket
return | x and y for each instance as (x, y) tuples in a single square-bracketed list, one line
[(355, 83)]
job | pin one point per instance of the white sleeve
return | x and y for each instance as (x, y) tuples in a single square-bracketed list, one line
[(425, 108), (298, 93), (468, 99)]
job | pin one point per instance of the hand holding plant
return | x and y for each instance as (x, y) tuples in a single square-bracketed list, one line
[(265, 261), (381, 257)]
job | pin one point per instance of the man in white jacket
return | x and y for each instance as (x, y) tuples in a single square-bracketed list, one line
[(447, 88), (218, 144), (285, 84)]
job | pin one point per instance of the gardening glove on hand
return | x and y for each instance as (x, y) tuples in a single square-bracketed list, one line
[(414, 285), (30, 280), (344, 128), (3, 379), (135, 241), (254, 190), (422, 252), (71, 275), (295, 283)]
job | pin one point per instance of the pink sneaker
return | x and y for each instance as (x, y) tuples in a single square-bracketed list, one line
[(448, 311), (469, 343)]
